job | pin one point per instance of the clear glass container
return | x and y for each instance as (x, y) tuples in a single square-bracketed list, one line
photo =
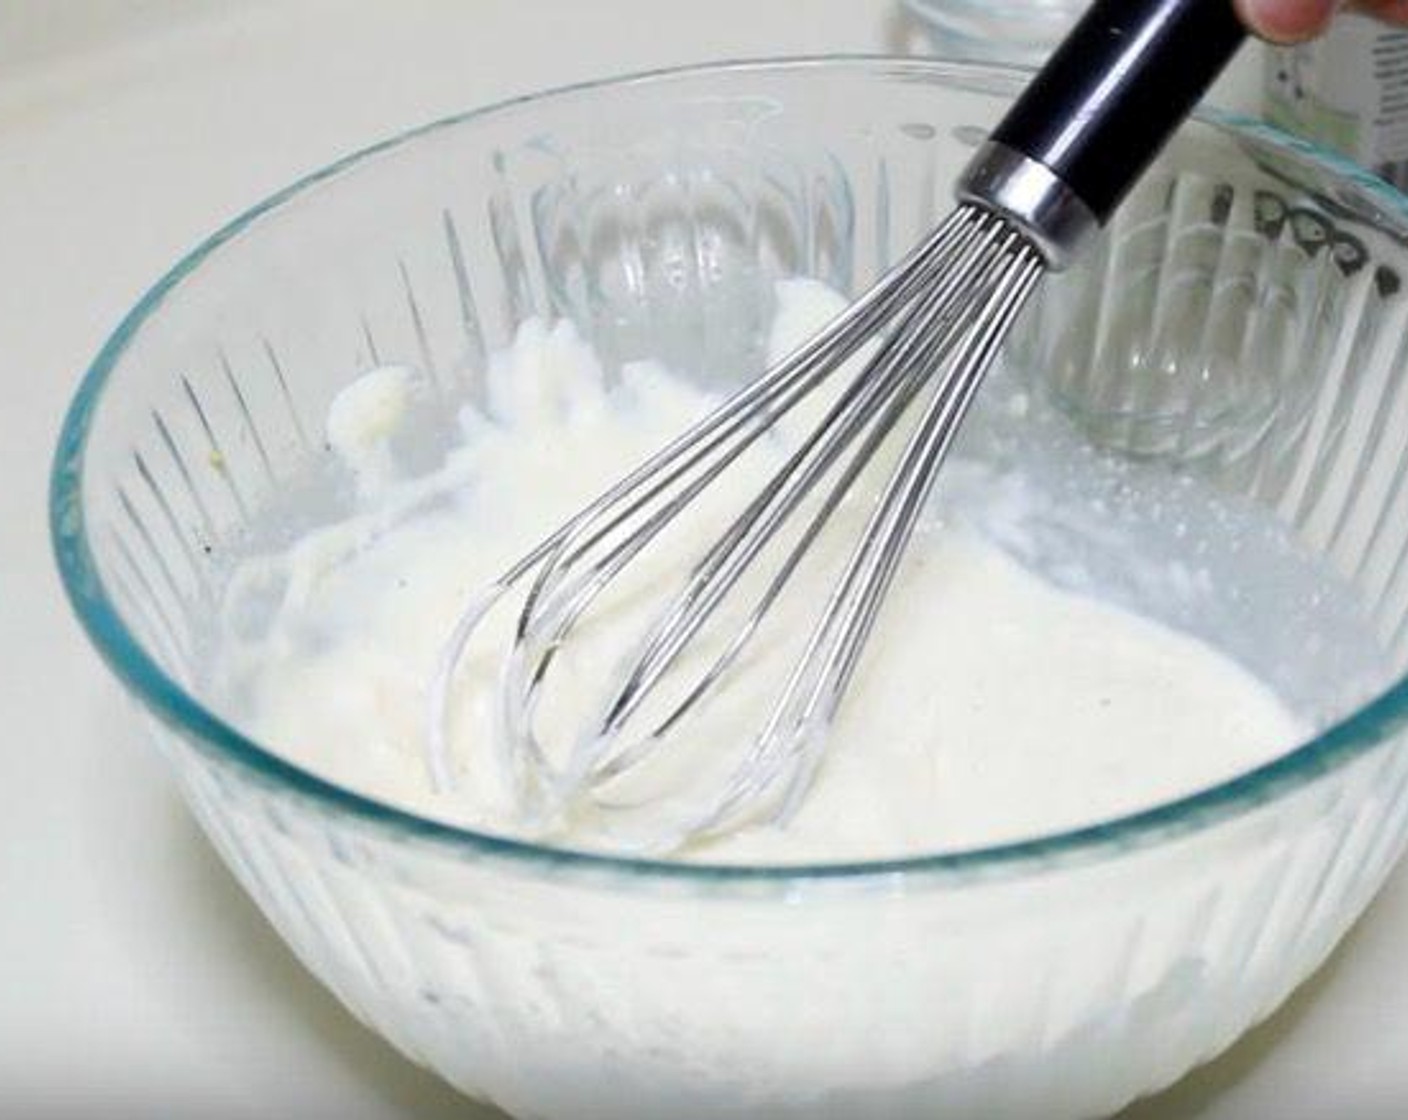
[(1016, 32), (1242, 326)]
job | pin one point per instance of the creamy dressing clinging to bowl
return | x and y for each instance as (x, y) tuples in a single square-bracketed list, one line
[(994, 705)]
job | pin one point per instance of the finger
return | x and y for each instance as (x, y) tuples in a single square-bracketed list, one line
[(1294, 21)]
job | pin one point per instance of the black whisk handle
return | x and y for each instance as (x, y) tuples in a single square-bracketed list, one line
[(1116, 89)]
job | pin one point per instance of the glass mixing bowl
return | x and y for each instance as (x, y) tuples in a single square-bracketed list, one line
[(1239, 335)]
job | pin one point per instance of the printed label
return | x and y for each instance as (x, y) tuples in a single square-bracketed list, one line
[(1347, 91)]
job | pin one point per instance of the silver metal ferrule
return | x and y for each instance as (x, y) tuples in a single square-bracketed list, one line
[(1031, 196)]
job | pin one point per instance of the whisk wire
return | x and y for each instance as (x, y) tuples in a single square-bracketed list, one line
[(821, 674), (754, 408), (932, 441), (752, 411), (568, 581), (939, 317), (858, 407)]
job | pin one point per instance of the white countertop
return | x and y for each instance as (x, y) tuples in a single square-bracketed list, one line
[(135, 979)]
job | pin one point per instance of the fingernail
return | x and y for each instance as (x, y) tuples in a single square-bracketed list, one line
[(1287, 21)]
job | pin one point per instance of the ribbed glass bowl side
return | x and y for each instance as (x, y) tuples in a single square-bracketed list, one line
[(566, 992)]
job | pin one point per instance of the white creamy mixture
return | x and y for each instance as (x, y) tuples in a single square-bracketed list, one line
[(991, 706)]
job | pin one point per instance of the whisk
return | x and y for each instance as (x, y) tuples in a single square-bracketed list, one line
[(914, 349)]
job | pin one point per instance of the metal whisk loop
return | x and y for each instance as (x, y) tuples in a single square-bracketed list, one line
[(753, 409), (974, 269), (787, 750), (872, 402), (912, 485), (897, 364), (590, 553)]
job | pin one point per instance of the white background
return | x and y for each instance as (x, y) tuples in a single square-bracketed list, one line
[(134, 978)]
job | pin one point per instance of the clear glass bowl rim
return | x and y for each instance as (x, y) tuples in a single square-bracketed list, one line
[(1356, 734)]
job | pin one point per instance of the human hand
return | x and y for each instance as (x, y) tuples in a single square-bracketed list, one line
[(1294, 21)]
